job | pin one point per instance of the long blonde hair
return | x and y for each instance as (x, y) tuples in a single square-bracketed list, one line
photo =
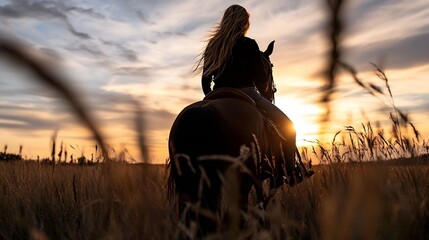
[(234, 24)]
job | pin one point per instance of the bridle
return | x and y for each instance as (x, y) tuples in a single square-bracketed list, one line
[(270, 87)]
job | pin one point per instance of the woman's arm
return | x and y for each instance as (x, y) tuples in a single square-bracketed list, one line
[(257, 66)]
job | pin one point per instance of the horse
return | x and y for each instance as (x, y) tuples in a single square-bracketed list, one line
[(222, 134)]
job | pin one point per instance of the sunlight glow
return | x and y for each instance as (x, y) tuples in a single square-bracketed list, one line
[(303, 115)]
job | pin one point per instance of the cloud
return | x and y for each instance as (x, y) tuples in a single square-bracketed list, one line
[(41, 11), (417, 103), (52, 53), (92, 50), (416, 114), (125, 52), (24, 122), (105, 52), (171, 34), (392, 14), (18, 93), (399, 53), (40, 109), (78, 34), (134, 71), (27, 9), (86, 11), (158, 119), (391, 30), (144, 17)]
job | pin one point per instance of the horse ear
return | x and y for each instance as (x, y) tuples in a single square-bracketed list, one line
[(270, 48)]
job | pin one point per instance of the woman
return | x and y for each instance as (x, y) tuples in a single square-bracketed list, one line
[(233, 60)]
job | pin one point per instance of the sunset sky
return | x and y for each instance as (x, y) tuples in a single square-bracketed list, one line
[(115, 52)]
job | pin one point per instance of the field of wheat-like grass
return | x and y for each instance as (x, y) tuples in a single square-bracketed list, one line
[(378, 200)]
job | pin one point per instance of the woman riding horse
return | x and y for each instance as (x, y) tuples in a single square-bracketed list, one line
[(233, 60)]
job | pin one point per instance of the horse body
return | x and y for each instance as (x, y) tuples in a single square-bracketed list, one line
[(202, 137), (211, 137)]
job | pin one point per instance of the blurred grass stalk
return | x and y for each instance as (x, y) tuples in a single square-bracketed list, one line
[(334, 29), (23, 56)]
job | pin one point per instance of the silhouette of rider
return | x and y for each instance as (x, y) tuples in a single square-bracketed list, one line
[(233, 60)]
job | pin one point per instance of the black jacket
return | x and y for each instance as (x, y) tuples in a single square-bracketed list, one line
[(243, 69)]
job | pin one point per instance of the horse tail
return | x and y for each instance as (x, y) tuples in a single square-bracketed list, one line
[(194, 133)]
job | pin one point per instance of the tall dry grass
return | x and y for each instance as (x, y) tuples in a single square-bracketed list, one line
[(368, 200), (117, 201), (367, 142)]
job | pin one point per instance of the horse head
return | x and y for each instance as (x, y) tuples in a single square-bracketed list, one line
[(269, 88)]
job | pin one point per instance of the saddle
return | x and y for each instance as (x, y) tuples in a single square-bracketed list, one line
[(226, 92)]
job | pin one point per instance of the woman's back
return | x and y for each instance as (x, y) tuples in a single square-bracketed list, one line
[(243, 69)]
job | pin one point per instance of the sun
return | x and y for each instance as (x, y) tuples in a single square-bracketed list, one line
[(304, 117)]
